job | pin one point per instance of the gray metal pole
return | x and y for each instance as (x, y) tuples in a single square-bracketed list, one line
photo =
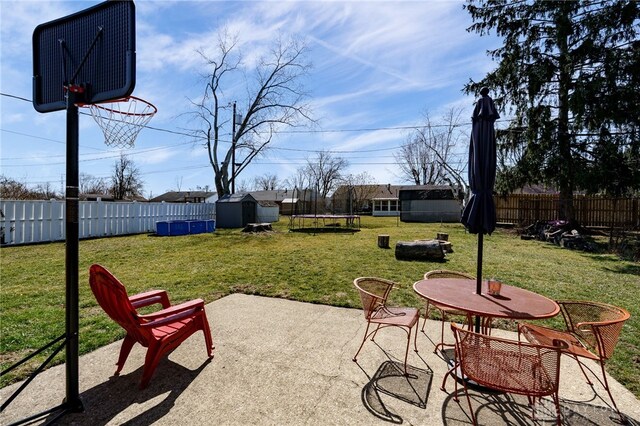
[(479, 274), (72, 401)]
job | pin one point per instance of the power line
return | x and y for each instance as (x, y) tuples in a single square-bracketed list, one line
[(15, 97), (44, 139), (300, 131), (105, 157), (339, 151)]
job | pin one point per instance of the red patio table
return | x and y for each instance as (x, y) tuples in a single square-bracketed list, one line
[(513, 302), (460, 293)]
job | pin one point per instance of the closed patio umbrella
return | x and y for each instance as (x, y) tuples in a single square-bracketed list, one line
[(479, 215)]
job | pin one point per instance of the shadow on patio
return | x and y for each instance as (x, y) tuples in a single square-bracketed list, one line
[(289, 363)]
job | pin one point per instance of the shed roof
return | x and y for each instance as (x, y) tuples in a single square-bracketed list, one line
[(427, 192), (236, 198), (276, 195)]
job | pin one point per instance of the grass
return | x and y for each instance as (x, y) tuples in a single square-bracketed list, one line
[(301, 266)]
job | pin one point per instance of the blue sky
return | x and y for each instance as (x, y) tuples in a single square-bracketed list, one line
[(377, 67)]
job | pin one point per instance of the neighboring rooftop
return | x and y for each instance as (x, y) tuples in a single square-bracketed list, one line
[(183, 197)]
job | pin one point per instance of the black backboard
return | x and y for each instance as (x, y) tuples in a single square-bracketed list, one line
[(97, 45)]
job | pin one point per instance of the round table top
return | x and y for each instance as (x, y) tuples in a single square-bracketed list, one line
[(513, 302)]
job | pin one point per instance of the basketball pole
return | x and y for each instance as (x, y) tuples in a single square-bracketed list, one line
[(72, 401)]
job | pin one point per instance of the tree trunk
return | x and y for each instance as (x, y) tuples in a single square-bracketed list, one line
[(565, 178), (429, 250)]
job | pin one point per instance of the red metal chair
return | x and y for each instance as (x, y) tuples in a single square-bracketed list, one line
[(160, 332), (508, 366), (444, 310), (592, 331), (373, 294)]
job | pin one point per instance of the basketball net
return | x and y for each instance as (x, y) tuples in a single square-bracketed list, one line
[(122, 119)]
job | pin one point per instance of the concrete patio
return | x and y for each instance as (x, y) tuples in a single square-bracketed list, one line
[(279, 362)]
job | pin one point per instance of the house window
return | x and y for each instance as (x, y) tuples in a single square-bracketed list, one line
[(393, 205), (385, 206)]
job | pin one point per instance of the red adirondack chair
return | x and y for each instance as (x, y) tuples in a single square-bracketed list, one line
[(160, 332)]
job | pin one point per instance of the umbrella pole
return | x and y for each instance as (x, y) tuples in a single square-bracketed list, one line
[(479, 274)]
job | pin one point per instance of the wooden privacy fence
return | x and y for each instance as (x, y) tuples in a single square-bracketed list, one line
[(32, 221), (525, 209)]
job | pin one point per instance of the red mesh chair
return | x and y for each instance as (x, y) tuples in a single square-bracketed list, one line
[(507, 366), (373, 294), (160, 332), (592, 331), (444, 310)]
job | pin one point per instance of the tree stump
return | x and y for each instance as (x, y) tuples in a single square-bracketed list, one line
[(447, 247), (383, 241), (419, 250), (258, 227), (442, 236)]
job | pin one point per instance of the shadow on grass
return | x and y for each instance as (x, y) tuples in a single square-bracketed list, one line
[(327, 230), (107, 401), (608, 261), (611, 263)]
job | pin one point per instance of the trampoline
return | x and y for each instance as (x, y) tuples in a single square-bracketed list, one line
[(324, 222)]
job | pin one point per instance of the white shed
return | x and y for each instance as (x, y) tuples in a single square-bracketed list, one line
[(267, 211)]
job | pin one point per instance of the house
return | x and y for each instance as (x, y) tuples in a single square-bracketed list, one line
[(379, 200), (429, 203), (186, 197), (421, 203)]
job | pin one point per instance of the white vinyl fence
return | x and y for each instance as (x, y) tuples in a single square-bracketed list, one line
[(26, 222)]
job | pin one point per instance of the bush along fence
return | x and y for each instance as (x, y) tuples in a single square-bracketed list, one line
[(27, 222), (525, 209)]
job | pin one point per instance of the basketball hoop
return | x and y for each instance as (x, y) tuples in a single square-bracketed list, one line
[(122, 119)]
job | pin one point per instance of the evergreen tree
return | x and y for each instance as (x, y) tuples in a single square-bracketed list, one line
[(569, 74)]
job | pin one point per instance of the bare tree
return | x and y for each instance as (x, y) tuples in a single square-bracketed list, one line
[(274, 98), (266, 182), (178, 183), (299, 180), (428, 155), (11, 189), (325, 172), (359, 191), (243, 186), (45, 191), (90, 184), (125, 181)]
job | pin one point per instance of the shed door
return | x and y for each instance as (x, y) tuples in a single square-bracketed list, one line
[(248, 212)]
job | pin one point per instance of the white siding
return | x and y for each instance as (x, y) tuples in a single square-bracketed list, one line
[(268, 214)]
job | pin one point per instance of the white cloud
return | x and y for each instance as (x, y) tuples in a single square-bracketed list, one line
[(376, 64)]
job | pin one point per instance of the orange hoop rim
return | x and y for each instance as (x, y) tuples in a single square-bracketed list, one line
[(115, 111)]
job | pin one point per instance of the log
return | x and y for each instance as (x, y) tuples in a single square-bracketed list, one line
[(383, 241), (430, 250)]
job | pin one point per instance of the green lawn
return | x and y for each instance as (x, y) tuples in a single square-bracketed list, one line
[(312, 268)]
